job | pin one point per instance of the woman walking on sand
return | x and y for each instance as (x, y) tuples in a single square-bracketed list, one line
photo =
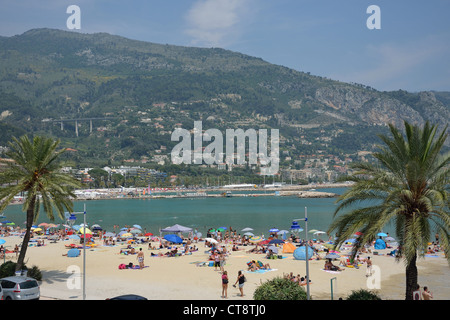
[(224, 284)]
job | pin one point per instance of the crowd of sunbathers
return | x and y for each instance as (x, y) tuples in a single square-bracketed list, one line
[(302, 281)]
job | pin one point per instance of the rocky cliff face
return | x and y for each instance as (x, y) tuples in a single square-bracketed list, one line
[(378, 108)]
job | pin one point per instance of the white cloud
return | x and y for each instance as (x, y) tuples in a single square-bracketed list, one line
[(215, 22), (399, 66)]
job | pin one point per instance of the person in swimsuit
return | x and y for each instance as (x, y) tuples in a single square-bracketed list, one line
[(241, 280), (140, 258), (224, 284), (369, 267)]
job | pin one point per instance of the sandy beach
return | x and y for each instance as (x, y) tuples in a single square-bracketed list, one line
[(180, 278)]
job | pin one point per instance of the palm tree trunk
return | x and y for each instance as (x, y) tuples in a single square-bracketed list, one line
[(411, 278), (26, 238)]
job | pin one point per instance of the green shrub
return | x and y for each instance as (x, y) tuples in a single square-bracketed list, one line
[(363, 294), (279, 289), (8, 269)]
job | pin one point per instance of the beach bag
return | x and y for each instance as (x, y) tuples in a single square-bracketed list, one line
[(122, 266)]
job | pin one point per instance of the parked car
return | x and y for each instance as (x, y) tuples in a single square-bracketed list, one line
[(20, 288), (1, 292), (128, 297)]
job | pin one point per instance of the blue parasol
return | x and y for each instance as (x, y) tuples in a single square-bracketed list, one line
[(173, 238), (276, 241)]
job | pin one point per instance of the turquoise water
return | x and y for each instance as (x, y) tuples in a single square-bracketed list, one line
[(259, 213)]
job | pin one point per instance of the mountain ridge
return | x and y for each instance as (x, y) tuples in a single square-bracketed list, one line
[(46, 74)]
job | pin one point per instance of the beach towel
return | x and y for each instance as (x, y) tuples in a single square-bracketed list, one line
[(261, 270), (329, 271)]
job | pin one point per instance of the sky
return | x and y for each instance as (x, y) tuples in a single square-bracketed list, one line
[(330, 38)]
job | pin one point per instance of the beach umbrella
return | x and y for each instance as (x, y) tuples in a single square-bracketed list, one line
[(109, 234), (137, 226), (74, 237), (352, 240), (276, 241), (389, 239), (126, 235), (281, 232), (382, 234), (247, 229), (332, 255), (176, 228), (313, 230), (135, 231), (148, 234), (249, 234), (173, 238), (76, 227), (36, 229), (43, 224), (274, 230), (211, 240), (84, 230), (274, 249), (87, 236), (319, 232), (255, 239), (358, 233), (264, 242), (2, 241)]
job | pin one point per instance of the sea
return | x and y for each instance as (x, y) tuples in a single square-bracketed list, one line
[(201, 213)]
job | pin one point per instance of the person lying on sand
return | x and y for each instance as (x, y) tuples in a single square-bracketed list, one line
[(331, 267)]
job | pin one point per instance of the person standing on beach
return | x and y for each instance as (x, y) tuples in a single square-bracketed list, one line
[(224, 284), (140, 258), (426, 294), (241, 280), (369, 267)]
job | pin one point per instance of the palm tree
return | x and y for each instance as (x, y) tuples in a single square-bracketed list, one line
[(407, 187), (32, 168)]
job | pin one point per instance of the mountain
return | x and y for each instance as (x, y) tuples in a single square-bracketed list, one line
[(136, 93)]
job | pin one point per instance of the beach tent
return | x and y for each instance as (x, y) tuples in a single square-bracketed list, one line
[(380, 244), (300, 253), (288, 248), (176, 228)]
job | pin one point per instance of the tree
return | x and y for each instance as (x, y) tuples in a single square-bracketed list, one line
[(407, 186), (99, 176), (32, 168)]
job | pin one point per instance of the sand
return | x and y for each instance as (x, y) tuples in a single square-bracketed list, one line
[(179, 278)]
